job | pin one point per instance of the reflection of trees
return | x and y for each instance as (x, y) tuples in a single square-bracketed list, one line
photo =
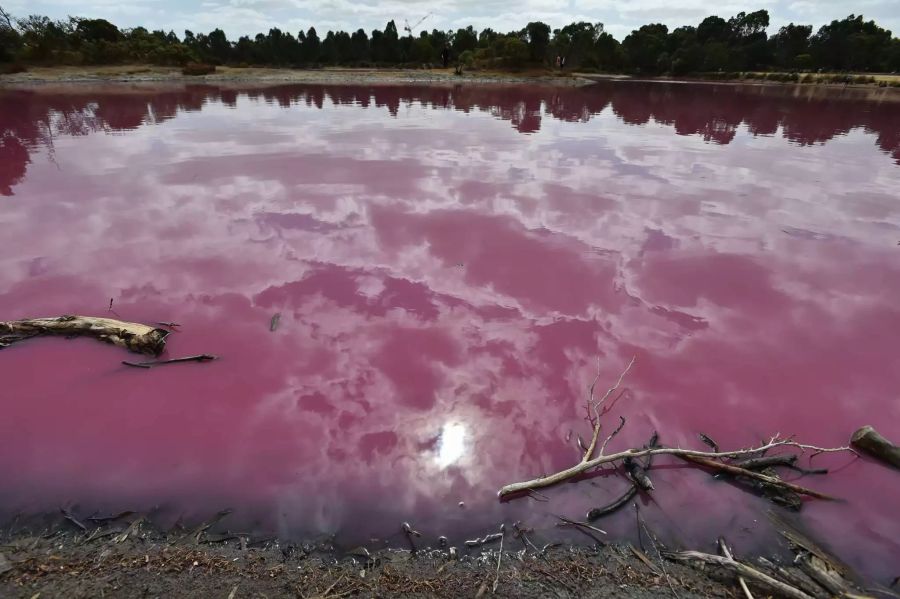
[(13, 161), (805, 115)]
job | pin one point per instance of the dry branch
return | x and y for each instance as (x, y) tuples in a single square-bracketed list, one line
[(584, 466), (723, 546), (589, 462), (769, 480), (742, 570), (135, 337)]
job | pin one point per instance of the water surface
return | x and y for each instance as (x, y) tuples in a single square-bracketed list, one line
[(449, 264)]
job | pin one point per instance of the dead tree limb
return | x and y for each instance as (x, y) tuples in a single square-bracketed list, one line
[(769, 480), (589, 461), (584, 466), (742, 570), (135, 337)]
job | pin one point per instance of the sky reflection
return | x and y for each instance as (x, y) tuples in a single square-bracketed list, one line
[(448, 264)]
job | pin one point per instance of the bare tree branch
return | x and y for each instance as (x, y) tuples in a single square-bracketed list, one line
[(6, 17), (585, 465), (594, 407)]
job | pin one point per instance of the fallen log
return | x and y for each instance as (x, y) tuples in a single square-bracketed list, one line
[(135, 337), (870, 442)]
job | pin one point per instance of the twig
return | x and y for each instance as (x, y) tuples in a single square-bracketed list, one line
[(708, 440), (68, 516), (612, 434), (598, 512), (741, 568), (197, 532), (499, 557), (727, 552), (581, 524), (484, 540), (643, 557), (595, 406), (655, 543), (198, 358), (522, 533)]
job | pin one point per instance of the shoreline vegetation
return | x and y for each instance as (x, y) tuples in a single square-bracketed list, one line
[(847, 51)]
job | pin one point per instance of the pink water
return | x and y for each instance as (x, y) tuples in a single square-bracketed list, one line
[(449, 263)]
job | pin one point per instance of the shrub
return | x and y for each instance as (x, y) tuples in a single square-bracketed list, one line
[(12, 68), (198, 68)]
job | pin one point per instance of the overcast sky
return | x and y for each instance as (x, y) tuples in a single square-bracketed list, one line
[(240, 17)]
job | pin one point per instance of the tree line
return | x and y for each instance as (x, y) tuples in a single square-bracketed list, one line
[(740, 43)]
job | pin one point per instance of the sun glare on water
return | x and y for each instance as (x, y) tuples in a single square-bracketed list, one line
[(451, 444)]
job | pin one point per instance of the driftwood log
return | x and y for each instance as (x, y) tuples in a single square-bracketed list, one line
[(870, 442), (135, 337)]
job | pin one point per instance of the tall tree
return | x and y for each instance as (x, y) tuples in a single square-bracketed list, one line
[(537, 35)]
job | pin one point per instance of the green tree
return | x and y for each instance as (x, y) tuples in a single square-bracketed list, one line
[(790, 42), (359, 46), (852, 44), (645, 46), (464, 39), (219, 46), (310, 47), (609, 53), (538, 36), (391, 43), (575, 42)]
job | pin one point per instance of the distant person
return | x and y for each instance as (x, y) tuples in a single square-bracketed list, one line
[(558, 62), (562, 63), (445, 56)]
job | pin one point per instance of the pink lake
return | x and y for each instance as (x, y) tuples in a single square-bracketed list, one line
[(449, 264)]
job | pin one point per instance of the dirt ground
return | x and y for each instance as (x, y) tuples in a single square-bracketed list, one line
[(224, 74), (142, 73), (136, 560)]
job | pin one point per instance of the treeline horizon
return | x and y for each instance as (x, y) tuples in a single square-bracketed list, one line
[(737, 44)]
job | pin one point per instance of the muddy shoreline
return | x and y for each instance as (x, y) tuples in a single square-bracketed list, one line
[(129, 555), (145, 74), (137, 559)]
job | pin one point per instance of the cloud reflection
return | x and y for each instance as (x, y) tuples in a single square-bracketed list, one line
[(446, 282)]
